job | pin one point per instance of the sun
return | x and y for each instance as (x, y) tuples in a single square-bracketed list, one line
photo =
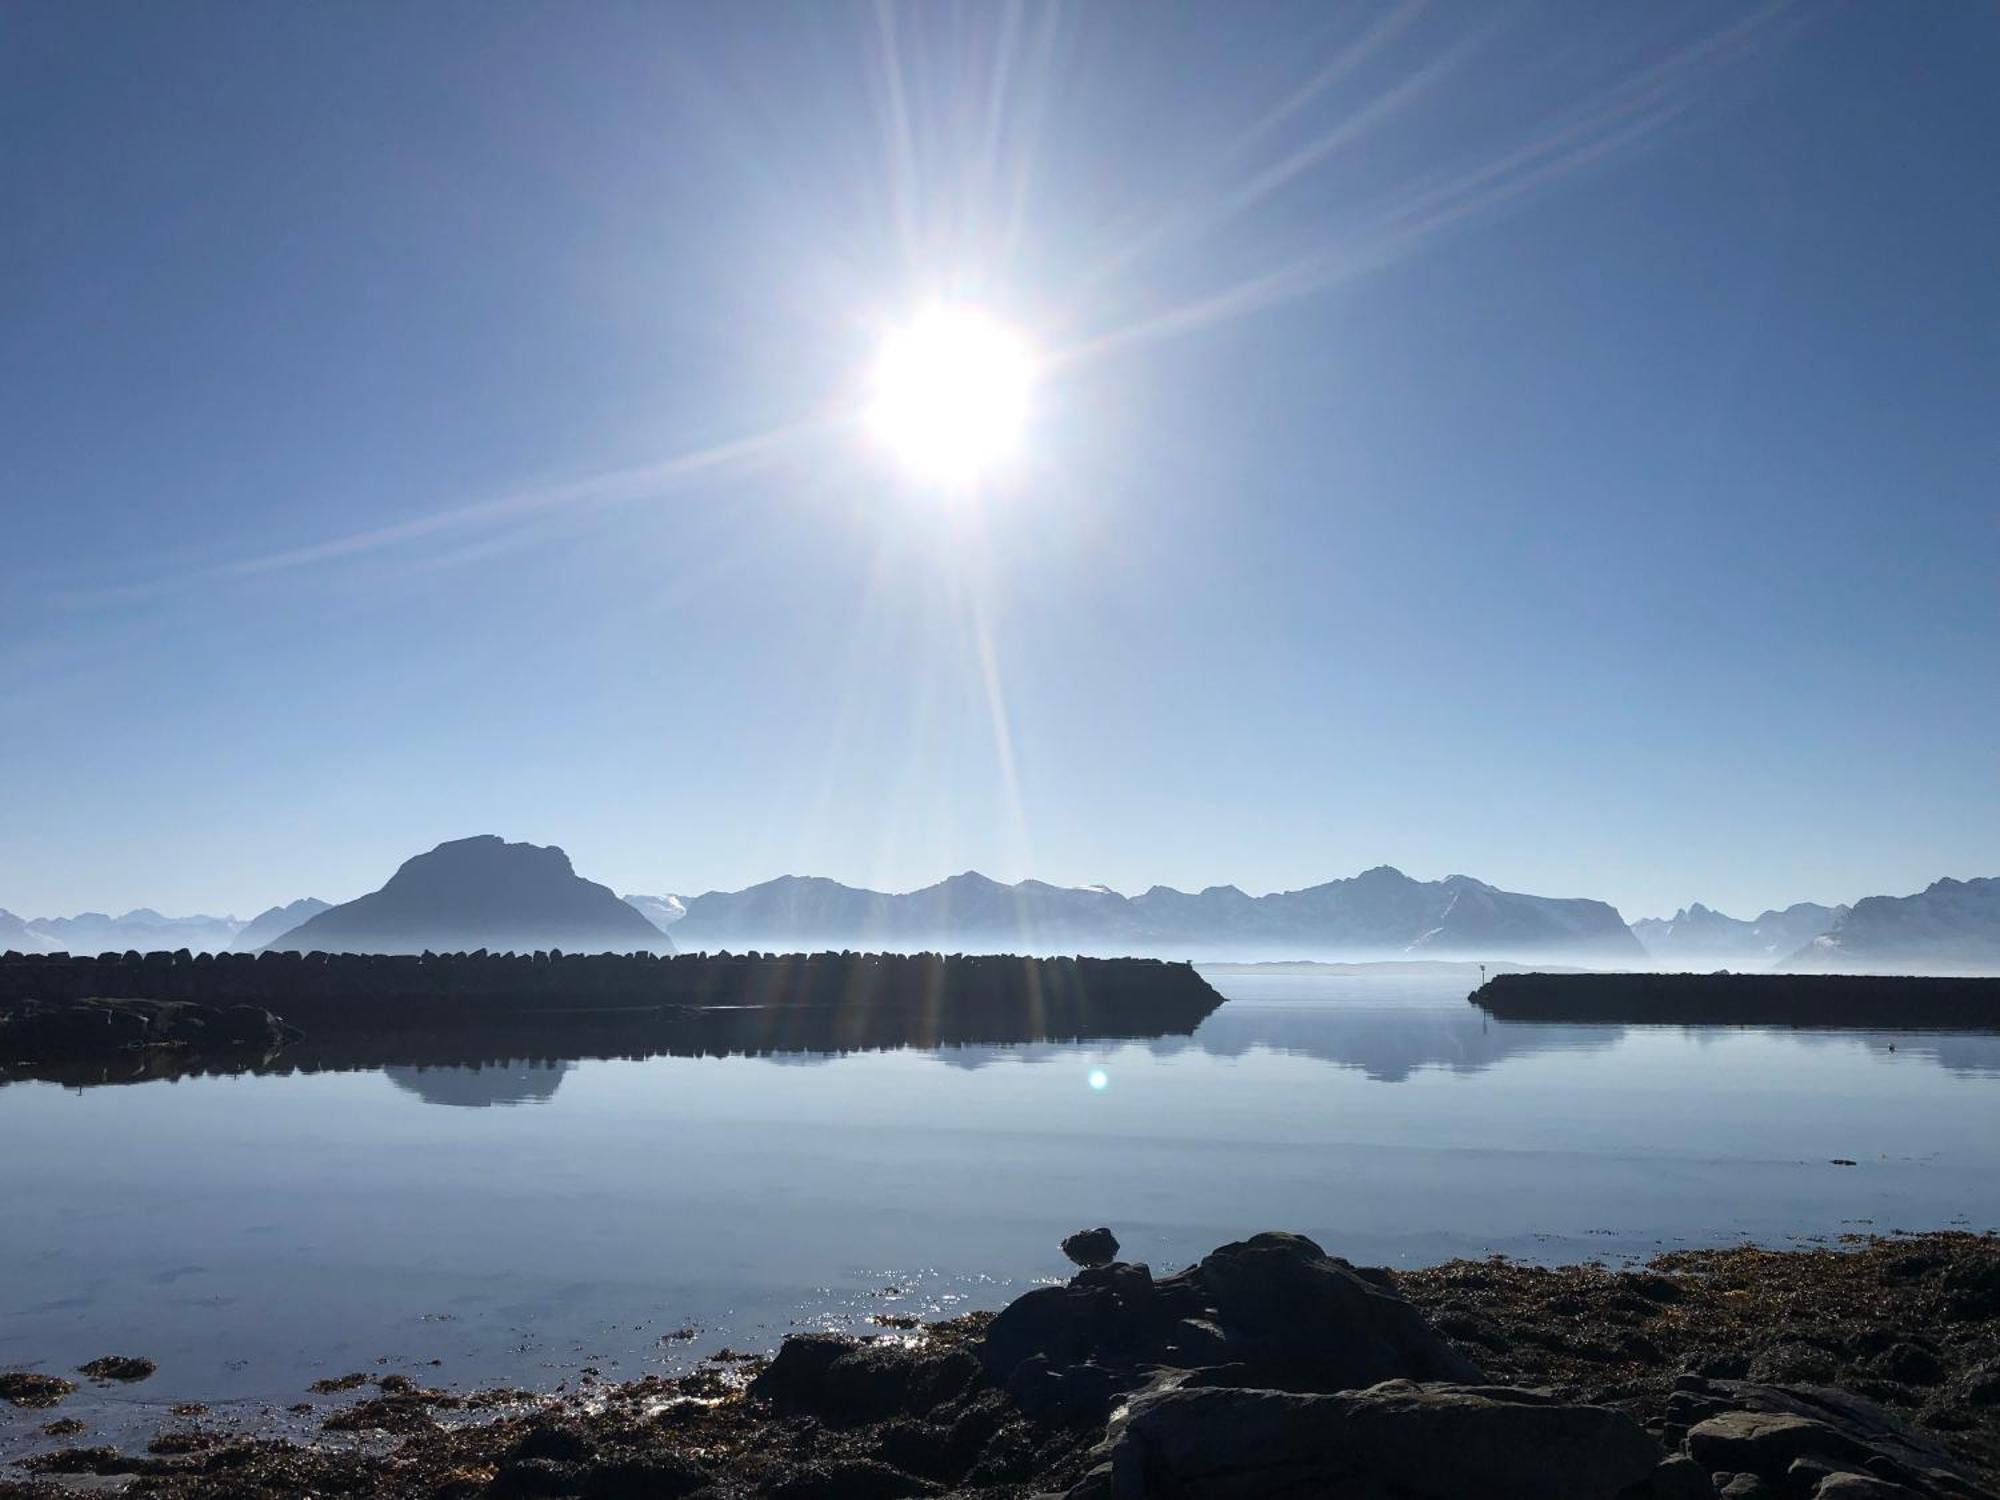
[(949, 394)]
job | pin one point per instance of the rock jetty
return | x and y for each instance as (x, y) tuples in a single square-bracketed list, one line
[(1832, 1000), (363, 1007)]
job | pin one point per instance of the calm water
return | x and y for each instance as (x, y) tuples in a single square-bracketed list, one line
[(518, 1223)]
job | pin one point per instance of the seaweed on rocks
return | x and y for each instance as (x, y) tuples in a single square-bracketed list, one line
[(1269, 1368)]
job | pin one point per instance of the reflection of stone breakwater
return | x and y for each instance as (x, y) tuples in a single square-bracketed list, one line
[(1867, 1000), (371, 1011)]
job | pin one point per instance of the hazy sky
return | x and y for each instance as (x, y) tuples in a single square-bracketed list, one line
[(1558, 444)]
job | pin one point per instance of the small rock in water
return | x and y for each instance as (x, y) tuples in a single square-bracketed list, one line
[(118, 1367), (30, 1389), (1091, 1247)]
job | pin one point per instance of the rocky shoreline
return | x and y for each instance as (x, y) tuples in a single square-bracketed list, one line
[(1268, 1369)]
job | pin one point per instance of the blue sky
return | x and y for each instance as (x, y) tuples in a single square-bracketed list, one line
[(1557, 445)]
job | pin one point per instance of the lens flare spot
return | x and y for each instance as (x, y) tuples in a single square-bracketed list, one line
[(950, 394), (1099, 1080)]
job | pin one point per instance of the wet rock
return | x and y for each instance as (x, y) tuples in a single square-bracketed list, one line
[(1861, 1487), (1091, 1247), (335, 1383), (554, 1440), (1280, 1298), (398, 1414), (1789, 1435), (1397, 1439), (1791, 1362), (123, 1367), (1679, 1478), (521, 1479), (1982, 1387), (651, 1476), (62, 1427), (1275, 1309), (1764, 1442), (1971, 1288), (1908, 1364), (856, 1479), (846, 1380), (1745, 1487), (32, 1389), (1084, 1390)]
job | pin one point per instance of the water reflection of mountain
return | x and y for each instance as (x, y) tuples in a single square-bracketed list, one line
[(1970, 1054), (481, 1086), (1389, 1043)]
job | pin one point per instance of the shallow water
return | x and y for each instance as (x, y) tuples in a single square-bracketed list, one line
[(518, 1223)]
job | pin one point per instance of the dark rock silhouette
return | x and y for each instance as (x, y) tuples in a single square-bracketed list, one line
[(1819, 1000), (1274, 1309), (1091, 1247), (1397, 1440), (361, 1010), (481, 893), (77, 1030)]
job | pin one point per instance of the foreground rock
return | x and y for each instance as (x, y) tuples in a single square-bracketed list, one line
[(1395, 1441), (1269, 1369), (1274, 1311)]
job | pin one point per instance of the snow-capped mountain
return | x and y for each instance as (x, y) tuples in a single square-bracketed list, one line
[(1951, 926), (1379, 913), (661, 911), (1700, 937)]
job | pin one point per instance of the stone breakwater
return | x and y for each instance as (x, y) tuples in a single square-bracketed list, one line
[(1268, 1370), (62, 1007), (1864, 1000)]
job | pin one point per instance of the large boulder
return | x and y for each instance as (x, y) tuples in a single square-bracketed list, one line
[(846, 1380), (1279, 1298), (1395, 1441), (1091, 1247), (1274, 1310), (1781, 1435)]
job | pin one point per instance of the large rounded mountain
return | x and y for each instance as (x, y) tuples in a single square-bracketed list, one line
[(481, 893)]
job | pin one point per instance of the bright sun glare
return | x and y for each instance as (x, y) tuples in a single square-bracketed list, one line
[(949, 394)]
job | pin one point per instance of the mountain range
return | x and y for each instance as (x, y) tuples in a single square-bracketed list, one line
[(1698, 937), (1950, 924), (484, 892), (146, 931), (1380, 913)]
